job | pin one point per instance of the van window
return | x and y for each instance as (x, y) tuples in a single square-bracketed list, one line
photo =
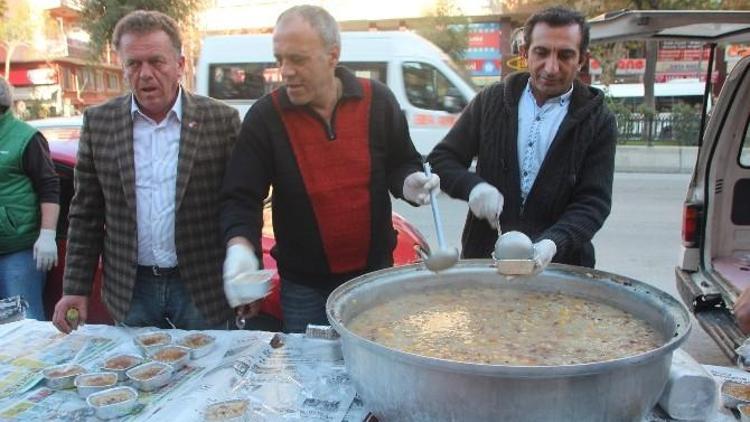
[(745, 151), (242, 81), (371, 70), (426, 87)]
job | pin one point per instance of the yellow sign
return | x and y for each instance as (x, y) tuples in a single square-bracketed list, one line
[(516, 63)]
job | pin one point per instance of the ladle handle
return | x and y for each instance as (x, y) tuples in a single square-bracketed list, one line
[(435, 210)]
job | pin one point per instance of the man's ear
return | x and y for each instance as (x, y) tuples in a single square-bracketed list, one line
[(334, 55), (585, 57), (523, 51)]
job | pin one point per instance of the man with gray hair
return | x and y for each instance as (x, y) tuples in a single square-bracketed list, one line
[(29, 198), (149, 169), (333, 146)]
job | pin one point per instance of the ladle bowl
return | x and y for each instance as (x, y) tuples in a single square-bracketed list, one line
[(444, 257)]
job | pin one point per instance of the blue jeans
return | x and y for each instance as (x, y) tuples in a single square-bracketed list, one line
[(302, 305), (159, 300), (19, 276)]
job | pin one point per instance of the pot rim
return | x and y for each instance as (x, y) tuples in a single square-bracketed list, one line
[(673, 306)]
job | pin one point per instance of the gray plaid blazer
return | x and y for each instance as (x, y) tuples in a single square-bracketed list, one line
[(102, 212)]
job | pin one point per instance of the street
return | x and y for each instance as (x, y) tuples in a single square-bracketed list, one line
[(640, 239)]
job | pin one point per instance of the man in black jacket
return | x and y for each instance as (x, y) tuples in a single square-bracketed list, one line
[(545, 146), (334, 147)]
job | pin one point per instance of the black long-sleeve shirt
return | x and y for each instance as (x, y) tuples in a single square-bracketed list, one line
[(264, 157), (38, 166)]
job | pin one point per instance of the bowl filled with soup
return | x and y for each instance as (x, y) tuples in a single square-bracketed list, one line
[(568, 344)]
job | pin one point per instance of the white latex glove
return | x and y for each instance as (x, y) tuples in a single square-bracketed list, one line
[(241, 274), (486, 202), (544, 251), (417, 187), (45, 250)]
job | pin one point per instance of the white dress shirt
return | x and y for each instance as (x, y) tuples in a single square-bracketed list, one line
[(156, 147), (537, 127)]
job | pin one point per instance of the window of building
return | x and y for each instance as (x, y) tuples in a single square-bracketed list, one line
[(68, 79), (86, 80), (113, 82), (99, 80)]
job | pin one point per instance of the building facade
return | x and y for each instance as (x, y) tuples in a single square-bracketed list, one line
[(53, 73)]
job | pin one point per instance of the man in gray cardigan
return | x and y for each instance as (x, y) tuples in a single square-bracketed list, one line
[(545, 147)]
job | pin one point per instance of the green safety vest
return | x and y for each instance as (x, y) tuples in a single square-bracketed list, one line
[(19, 204)]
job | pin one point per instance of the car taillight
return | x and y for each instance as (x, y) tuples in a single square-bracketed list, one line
[(691, 215)]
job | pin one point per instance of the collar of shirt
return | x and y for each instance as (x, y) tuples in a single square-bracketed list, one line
[(176, 110), (537, 127), (562, 99), (350, 85)]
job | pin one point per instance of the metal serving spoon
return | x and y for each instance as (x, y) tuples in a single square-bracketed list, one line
[(444, 257)]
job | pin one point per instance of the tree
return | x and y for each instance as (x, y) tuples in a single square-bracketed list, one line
[(99, 18), (448, 29), (16, 29)]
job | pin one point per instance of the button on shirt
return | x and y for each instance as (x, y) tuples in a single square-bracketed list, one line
[(156, 147), (537, 127)]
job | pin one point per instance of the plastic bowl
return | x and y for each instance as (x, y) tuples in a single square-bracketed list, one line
[(227, 411), (61, 377), (114, 402), (244, 290), (200, 344), (153, 340), (88, 384), (177, 356), (119, 364), (151, 375), (734, 394)]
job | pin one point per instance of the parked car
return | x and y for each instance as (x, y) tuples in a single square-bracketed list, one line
[(714, 264), (63, 134)]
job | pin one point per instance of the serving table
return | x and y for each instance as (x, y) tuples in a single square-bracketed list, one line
[(289, 377)]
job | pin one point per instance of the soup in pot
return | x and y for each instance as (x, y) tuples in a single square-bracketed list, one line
[(506, 327)]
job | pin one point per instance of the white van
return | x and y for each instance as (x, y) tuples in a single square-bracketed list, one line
[(714, 258), (239, 69)]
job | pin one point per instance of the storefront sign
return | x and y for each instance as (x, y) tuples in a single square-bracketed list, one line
[(624, 67), (483, 56)]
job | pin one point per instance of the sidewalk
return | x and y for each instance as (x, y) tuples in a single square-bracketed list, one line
[(661, 159)]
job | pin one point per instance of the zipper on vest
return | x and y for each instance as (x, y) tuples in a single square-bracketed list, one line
[(328, 126), (330, 133)]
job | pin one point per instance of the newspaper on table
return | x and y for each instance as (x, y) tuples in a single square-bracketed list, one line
[(303, 379), (295, 379), (89, 346), (28, 347)]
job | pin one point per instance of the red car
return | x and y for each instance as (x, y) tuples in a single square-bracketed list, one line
[(63, 134)]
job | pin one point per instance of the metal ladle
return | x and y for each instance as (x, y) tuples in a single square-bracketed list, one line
[(444, 257)]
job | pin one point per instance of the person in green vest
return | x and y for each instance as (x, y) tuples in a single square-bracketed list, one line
[(29, 206)]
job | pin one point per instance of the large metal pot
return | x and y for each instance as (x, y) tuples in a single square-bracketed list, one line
[(398, 386)]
